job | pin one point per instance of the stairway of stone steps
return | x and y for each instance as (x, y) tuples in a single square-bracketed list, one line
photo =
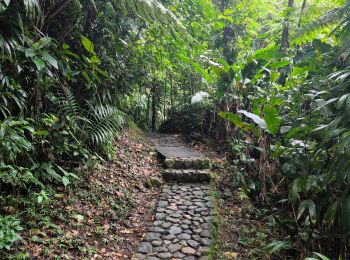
[(183, 218)]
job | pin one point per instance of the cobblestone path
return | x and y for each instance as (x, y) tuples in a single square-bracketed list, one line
[(182, 226)]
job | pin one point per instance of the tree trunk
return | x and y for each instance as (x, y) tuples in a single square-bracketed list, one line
[(301, 12), (285, 31), (154, 108)]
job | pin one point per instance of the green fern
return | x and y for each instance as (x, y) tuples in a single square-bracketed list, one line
[(105, 121)]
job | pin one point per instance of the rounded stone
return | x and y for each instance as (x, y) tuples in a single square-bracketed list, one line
[(188, 250), (192, 243), (168, 237), (205, 241), (157, 242), (166, 225), (161, 249), (205, 233), (175, 230), (156, 229), (164, 255), (178, 255), (152, 236), (162, 204), (189, 258), (184, 236), (197, 230), (196, 237), (145, 248), (174, 247)]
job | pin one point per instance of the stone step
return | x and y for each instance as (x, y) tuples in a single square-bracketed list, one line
[(186, 175), (187, 163)]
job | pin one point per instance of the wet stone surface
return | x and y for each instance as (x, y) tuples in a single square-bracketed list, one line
[(182, 226)]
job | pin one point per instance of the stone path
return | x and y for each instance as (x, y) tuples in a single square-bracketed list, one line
[(182, 226)]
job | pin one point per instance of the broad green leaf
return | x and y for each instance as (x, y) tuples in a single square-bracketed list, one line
[(51, 60), (65, 181), (88, 45), (279, 64), (322, 257), (40, 64), (258, 120), (272, 119), (40, 199), (30, 53)]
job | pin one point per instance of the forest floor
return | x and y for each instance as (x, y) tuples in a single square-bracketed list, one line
[(103, 215)]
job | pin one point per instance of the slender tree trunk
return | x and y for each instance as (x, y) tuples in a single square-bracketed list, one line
[(302, 12), (154, 107), (164, 103), (171, 91), (285, 32)]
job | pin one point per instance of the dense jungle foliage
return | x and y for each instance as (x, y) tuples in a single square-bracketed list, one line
[(276, 76)]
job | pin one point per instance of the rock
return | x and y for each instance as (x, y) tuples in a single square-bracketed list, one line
[(205, 233), (197, 231), (157, 242), (169, 163), (192, 243), (160, 216), (196, 237), (175, 230), (198, 193), (189, 258), (164, 255), (168, 237), (184, 236), (152, 236), (145, 248), (174, 247), (178, 255), (188, 250), (156, 229), (157, 223), (138, 257), (161, 249), (173, 220), (152, 182), (162, 204), (205, 241), (166, 225)]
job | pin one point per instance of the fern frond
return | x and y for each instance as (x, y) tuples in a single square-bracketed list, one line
[(70, 109), (104, 122)]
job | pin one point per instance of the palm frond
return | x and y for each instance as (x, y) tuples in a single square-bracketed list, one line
[(12, 18), (150, 11), (308, 33)]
